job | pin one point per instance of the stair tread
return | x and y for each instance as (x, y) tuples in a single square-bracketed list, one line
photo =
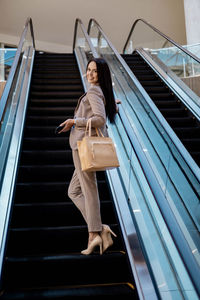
[(66, 257), (109, 289)]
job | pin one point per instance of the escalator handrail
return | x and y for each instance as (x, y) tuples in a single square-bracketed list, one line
[(191, 164), (78, 21), (7, 88), (163, 35)]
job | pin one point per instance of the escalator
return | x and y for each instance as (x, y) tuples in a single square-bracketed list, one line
[(180, 118), (144, 202), (47, 232)]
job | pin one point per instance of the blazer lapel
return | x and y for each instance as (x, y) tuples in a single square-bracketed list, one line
[(79, 101)]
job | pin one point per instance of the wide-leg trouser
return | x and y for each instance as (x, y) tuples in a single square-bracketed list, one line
[(83, 191)]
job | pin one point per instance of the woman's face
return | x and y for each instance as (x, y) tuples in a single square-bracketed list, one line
[(92, 75)]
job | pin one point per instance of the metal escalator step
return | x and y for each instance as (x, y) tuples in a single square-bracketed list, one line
[(167, 103), (56, 75), (48, 240), (41, 173), (61, 292), (40, 157), (57, 94), (187, 132), (48, 81), (42, 131), (24, 214), (46, 143), (47, 120), (181, 122), (53, 102), (51, 111), (56, 87), (51, 268), (29, 192), (174, 112)]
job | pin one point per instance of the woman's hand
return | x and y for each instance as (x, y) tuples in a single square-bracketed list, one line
[(67, 125), (118, 101)]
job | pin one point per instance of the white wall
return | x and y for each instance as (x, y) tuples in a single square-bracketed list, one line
[(192, 13), (54, 20)]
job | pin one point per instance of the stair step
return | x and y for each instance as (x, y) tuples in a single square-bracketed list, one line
[(59, 142), (180, 122), (51, 111), (47, 120), (41, 173), (28, 192), (24, 214), (192, 144), (56, 87), (48, 81), (56, 75), (43, 131), (52, 268), (51, 157), (53, 102), (176, 112), (61, 94), (167, 104), (109, 289), (53, 240), (188, 132)]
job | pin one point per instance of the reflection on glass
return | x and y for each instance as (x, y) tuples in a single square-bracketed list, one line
[(6, 60)]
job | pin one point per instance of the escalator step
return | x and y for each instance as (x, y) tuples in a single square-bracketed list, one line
[(24, 214), (50, 111), (53, 102), (110, 289), (53, 267), (30, 241), (29, 192)]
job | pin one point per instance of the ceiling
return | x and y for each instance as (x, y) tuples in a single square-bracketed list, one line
[(54, 20)]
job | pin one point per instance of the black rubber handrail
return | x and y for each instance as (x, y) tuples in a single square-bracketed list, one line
[(13, 69), (163, 35)]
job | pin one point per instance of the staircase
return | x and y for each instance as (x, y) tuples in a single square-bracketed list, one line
[(182, 121), (47, 232)]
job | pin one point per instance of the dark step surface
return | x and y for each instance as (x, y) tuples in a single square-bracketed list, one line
[(47, 232), (179, 117)]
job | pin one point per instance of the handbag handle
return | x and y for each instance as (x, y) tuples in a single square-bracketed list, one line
[(89, 125)]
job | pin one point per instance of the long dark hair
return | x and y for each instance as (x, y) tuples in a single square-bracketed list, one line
[(105, 82)]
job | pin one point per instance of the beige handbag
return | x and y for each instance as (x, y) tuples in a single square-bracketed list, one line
[(97, 153)]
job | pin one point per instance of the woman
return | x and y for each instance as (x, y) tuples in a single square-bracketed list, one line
[(98, 104)]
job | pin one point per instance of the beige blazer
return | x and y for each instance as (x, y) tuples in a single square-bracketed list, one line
[(90, 105)]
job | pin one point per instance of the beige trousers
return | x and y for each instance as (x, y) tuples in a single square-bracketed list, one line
[(83, 191)]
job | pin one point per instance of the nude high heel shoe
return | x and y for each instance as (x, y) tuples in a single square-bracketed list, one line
[(106, 237), (97, 241)]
